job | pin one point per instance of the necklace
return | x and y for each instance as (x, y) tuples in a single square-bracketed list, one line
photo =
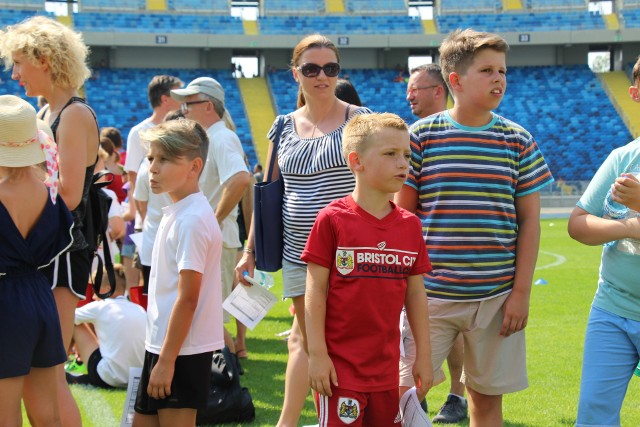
[(319, 122)]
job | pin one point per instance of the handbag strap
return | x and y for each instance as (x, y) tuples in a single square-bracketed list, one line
[(274, 152)]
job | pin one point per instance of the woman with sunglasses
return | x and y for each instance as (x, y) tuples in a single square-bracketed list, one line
[(315, 173), (49, 60)]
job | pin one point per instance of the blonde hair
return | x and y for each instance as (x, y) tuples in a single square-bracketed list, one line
[(179, 138), (313, 41), (636, 72), (42, 39), (358, 132), (460, 47)]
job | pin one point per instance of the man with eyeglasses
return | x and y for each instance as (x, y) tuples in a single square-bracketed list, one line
[(427, 94), (225, 175), (426, 91)]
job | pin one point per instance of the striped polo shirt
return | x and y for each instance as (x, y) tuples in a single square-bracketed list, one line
[(467, 181), (315, 174)]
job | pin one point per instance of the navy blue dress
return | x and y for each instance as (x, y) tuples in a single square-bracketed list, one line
[(30, 334)]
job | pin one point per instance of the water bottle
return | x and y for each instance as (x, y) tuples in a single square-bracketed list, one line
[(259, 278), (614, 210)]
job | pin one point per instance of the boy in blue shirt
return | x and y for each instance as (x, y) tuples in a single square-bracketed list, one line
[(607, 214)]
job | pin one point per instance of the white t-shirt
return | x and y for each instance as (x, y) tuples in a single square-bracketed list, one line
[(225, 159), (155, 203), (135, 150), (188, 238), (120, 327)]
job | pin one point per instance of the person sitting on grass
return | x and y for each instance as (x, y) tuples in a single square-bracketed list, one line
[(358, 283), (116, 342)]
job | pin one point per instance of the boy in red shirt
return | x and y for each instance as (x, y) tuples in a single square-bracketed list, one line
[(366, 258)]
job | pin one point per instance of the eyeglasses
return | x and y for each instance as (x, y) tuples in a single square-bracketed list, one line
[(412, 91), (184, 107), (309, 69)]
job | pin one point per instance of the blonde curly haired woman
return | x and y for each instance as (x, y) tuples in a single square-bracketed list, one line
[(49, 59)]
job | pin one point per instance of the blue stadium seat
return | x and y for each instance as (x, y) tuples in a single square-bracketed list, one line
[(475, 6), (517, 22), (342, 24), (292, 6), (23, 4), (376, 6), (113, 4), (13, 16), (211, 6), (556, 4), (168, 23)]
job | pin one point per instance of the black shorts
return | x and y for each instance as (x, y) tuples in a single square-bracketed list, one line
[(92, 370), (70, 270), (146, 274), (189, 387), (30, 333)]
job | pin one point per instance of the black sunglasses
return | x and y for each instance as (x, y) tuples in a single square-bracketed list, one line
[(309, 69)]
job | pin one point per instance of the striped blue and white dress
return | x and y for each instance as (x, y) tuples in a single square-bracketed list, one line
[(315, 173)]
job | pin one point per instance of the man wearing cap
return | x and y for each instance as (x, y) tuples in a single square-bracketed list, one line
[(225, 176)]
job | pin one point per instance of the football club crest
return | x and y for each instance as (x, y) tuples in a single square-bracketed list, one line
[(344, 261), (348, 409)]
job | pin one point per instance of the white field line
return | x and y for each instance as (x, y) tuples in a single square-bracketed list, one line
[(559, 260)]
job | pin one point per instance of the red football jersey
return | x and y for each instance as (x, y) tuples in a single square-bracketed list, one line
[(369, 261)]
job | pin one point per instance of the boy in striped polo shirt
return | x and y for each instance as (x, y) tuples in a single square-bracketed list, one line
[(474, 182)]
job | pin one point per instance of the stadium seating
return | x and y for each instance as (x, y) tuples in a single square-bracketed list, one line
[(292, 6), (168, 23), (631, 17), (566, 110), (114, 4), (349, 24), (556, 4), (208, 6), (376, 6), (474, 6), (517, 22), (13, 16), (26, 4)]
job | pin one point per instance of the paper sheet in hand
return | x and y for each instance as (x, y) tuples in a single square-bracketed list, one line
[(130, 401), (249, 304), (412, 413), (137, 239)]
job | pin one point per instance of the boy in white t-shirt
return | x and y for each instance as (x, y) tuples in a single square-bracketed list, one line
[(184, 312), (117, 341)]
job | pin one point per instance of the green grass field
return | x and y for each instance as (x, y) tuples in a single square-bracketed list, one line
[(555, 334)]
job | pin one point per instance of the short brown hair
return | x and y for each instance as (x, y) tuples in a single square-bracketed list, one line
[(113, 134), (358, 132), (162, 85), (460, 47), (435, 72), (636, 72)]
